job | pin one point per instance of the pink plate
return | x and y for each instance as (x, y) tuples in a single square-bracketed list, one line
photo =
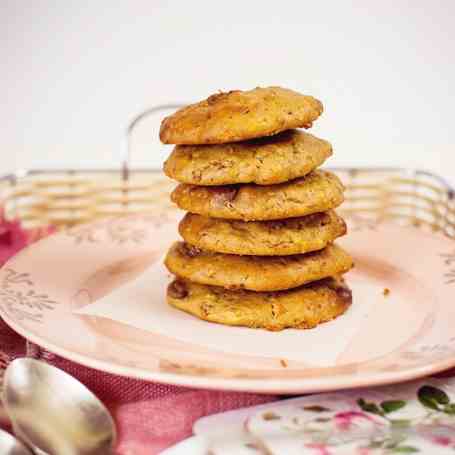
[(95, 295)]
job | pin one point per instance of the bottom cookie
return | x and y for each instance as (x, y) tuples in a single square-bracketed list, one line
[(302, 308)]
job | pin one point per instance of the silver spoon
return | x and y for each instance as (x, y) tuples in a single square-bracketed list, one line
[(9, 445), (54, 413)]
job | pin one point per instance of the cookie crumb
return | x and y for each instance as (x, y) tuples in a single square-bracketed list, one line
[(270, 416), (283, 363), (386, 292)]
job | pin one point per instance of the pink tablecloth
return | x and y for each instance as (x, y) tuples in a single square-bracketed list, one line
[(149, 416)]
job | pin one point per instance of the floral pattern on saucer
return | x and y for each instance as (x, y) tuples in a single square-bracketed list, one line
[(417, 417)]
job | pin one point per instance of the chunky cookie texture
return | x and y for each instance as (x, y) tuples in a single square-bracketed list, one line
[(263, 161), (260, 226), (317, 192), (256, 273), (264, 238), (239, 115), (303, 307)]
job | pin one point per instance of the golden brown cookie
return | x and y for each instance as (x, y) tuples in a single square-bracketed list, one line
[(256, 273), (302, 308), (317, 192), (264, 161), (240, 115), (263, 238)]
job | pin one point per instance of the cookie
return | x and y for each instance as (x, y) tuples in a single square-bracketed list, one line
[(256, 273), (263, 238), (317, 192), (264, 161), (239, 115), (303, 307)]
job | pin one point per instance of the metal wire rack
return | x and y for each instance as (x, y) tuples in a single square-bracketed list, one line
[(67, 197)]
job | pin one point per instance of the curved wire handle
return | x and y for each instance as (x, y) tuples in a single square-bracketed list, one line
[(132, 125)]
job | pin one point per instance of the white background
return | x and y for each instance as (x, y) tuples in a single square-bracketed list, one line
[(72, 73)]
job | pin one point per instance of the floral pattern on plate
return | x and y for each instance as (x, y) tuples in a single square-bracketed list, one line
[(19, 298)]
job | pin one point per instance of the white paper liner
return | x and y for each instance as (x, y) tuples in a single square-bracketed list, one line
[(141, 303)]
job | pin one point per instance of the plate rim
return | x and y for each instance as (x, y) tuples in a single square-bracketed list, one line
[(271, 385), (261, 386)]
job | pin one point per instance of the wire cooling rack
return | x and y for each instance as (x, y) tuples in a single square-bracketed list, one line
[(67, 197)]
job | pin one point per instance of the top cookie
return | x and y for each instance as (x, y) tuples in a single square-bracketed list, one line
[(240, 115), (263, 161)]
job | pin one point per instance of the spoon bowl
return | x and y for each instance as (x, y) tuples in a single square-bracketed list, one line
[(9, 445), (52, 411)]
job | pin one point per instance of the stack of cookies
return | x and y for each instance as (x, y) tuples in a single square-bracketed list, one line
[(258, 245)]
